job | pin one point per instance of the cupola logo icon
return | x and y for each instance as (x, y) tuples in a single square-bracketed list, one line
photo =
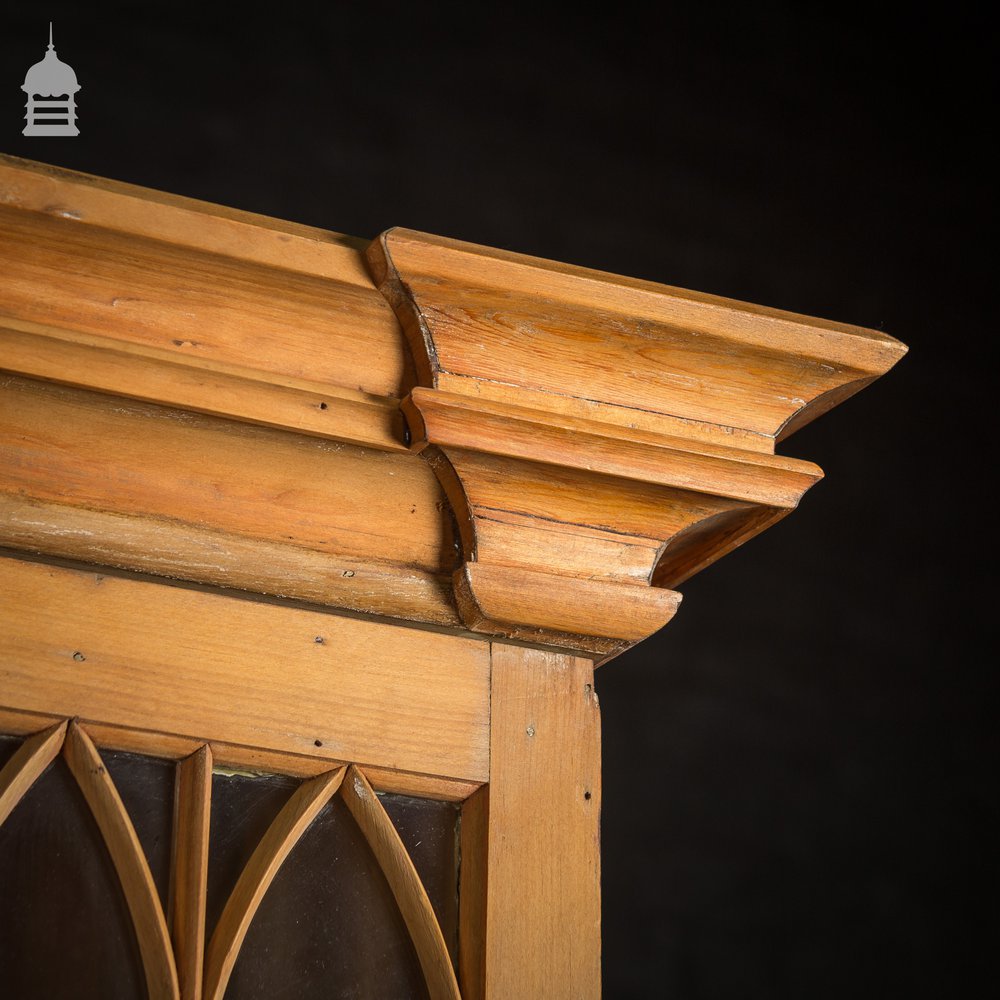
[(51, 88)]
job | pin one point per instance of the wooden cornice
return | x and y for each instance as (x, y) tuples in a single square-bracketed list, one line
[(427, 430), (602, 438), (518, 329)]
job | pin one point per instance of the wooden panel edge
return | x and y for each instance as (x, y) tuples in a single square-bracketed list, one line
[(255, 879), (144, 373), (95, 658), (87, 199), (545, 796), (189, 868), (30, 759), (252, 760), (129, 860), (418, 914), (472, 894)]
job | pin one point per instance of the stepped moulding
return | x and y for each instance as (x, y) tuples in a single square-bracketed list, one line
[(415, 428), (601, 439)]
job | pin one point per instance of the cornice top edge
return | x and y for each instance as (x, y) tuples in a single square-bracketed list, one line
[(147, 213), (572, 279), (533, 332)]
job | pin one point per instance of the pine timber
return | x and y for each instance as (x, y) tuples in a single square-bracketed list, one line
[(447, 480), (189, 868), (76, 643), (32, 757), (129, 860), (407, 889), (588, 427), (239, 757), (542, 852), (424, 430)]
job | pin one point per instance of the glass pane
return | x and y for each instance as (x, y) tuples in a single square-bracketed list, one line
[(329, 925), (65, 929), (243, 807), (429, 831), (8, 747), (146, 786)]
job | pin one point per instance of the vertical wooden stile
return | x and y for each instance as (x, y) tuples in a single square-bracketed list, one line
[(189, 869), (543, 911)]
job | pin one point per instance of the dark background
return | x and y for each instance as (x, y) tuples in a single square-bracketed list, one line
[(799, 795)]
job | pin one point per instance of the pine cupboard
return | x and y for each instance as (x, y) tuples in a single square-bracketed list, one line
[(311, 547)]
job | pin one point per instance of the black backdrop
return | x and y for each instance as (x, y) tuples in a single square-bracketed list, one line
[(798, 791)]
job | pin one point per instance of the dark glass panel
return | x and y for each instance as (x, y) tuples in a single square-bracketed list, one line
[(242, 809), (329, 926), (8, 747), (429, 831), (146, 787), (65, 929)]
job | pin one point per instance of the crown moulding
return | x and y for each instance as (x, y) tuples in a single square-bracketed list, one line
[(599, 438), (439, 433)]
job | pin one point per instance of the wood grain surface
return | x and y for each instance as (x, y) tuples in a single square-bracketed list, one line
[(189, 868), (418, 914), (104, 480), (30, 759), (543, 901), (588, 427), (204, 283), (166, 659), (472, 895), (155, 375), (519, 329), (205, 394), (129, 860), (240, 757)]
